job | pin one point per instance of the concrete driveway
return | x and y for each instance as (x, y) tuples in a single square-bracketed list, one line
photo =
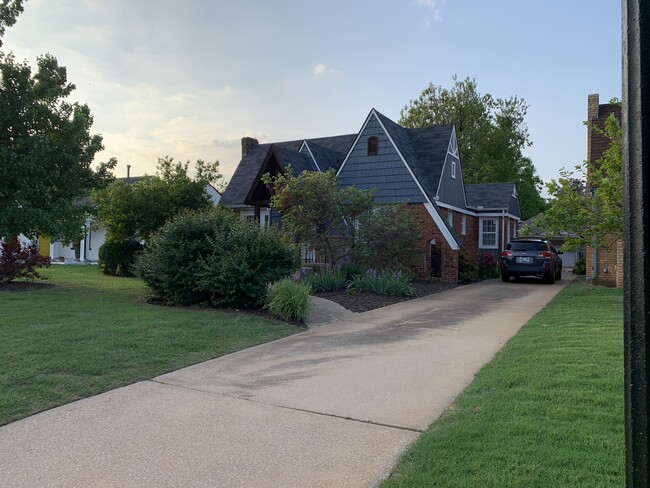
[(332, 407)]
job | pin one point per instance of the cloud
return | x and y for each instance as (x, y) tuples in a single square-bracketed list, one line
[(433, 6), (321, 70)]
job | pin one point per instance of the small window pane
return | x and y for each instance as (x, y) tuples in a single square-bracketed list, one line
[(372, 146)]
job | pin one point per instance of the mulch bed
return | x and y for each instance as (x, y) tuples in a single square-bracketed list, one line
[(364, 301)]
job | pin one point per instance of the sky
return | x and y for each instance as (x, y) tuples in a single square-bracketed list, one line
[(190, 78)]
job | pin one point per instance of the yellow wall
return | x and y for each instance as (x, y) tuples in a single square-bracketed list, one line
[(44, 246)]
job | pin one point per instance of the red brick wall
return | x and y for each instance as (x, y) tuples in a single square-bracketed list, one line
[(427, 231)]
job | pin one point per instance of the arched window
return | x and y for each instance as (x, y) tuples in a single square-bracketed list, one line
[(372, 146)]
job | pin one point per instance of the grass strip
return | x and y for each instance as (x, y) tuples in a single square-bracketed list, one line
[(547, 411), (91, 333)]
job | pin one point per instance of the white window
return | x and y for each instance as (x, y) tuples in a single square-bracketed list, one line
[(453, 169), (463, 225), (488, 237), (450, 217)]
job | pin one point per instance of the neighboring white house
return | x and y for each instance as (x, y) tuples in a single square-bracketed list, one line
[(87, 250)]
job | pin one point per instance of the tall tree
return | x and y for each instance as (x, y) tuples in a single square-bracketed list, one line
[(9, 11), (492, 134), (598, 214), (46, 148), (315, 212), (135, 211)]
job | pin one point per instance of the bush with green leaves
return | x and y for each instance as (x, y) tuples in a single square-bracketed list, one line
[(288, 300), (468, 267), (386, 238), (580, 267), (383, 282), (488, 265), (330, 279), (215, 257), (117, 257)]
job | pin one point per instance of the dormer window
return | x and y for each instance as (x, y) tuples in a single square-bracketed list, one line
[(372, 146)]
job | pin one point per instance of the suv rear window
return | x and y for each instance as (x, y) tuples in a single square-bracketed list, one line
[(526, 246)]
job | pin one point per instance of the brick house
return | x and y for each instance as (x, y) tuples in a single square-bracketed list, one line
[(604, 265), (420, 168)]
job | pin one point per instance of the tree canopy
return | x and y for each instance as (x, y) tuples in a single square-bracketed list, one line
[(135, 211), (9, 11), (314, 211), (492, 134), (589, 216), (46, 148)]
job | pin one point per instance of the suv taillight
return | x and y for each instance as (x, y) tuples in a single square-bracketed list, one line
[(506, 254), (545, 255)]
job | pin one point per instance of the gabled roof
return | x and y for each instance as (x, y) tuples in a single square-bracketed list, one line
[(493, 196), (424, 149), (332, 150)]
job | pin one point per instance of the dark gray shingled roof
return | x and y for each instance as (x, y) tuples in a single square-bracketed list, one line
[(493, 196), (332, 150), (425, 150)]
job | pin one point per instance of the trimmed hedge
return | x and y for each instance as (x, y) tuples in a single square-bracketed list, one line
[(215, 257)]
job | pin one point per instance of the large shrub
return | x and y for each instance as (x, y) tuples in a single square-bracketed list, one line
[(19, 260), (386, 238), (215, 257), (488, 266), (468, 267), (288, 300), (118, 257)]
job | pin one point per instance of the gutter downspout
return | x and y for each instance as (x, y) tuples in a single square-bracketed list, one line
[(503, 230), (594, 272)]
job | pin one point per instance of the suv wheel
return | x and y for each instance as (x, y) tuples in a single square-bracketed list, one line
[(505, 277), (551, 278)]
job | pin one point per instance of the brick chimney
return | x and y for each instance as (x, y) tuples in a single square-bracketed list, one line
[(248, 143), (592, 106)]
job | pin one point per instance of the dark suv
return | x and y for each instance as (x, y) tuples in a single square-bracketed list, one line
[(531, 257)]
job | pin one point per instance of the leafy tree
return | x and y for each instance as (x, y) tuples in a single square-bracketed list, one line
[(315, 212), (491, 132), (599, 213), (46, 151), (386, 238), (135, 211), (18, 260), (9, 11)]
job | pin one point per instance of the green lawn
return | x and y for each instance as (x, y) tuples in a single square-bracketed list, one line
[(91, 333), (546, 412)]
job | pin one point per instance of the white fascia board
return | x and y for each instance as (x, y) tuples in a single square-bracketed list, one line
[(456, 209), (442, 226), (497, 214), (304, 144)]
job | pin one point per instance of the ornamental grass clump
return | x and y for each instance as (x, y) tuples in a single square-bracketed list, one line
[(383, 282), (332, 279), (288, 300)]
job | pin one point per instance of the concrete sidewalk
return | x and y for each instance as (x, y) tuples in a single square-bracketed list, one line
[(333, 406)]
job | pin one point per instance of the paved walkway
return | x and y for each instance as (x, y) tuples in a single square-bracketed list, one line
[(332, 407)]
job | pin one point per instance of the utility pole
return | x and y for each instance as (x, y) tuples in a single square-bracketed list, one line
[(636, 191)]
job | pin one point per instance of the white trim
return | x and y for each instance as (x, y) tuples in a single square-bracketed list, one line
[(304, 143), (480, 233), (442, 226), (455, 209), (463, 224), (453, 169)]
